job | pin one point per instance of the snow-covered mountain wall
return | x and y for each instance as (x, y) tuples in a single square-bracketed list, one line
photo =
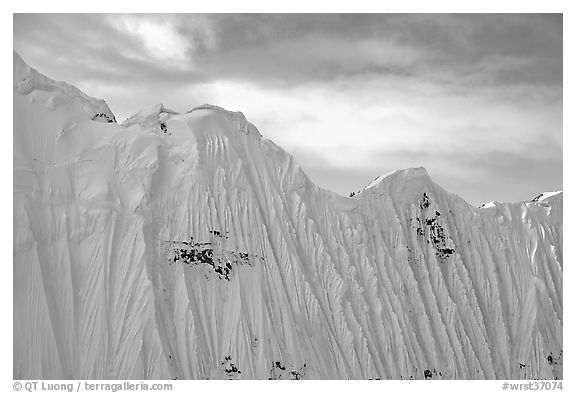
[(189, 246)]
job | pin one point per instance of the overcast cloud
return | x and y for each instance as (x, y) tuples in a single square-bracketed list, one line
[(476, 99)]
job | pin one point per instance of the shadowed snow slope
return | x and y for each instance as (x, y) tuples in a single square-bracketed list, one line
[(188, 246)]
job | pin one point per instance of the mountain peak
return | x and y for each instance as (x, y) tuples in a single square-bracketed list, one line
[(546, 195), (149, 117), (405, 181), (209, 107), (237, 119), (55, 95)]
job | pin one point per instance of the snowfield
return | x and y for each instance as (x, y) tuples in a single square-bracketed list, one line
[(188, 246)]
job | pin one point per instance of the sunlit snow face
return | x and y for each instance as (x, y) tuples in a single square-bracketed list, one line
[(476, 99)]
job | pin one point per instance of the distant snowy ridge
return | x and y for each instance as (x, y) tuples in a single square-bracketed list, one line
[(187, 246), (540, 198)]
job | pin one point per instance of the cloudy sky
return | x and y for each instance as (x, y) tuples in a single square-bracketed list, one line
[(476, 99)]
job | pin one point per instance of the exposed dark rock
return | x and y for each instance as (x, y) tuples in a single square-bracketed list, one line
[(105, 117), (425, 202), (205, 253)]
